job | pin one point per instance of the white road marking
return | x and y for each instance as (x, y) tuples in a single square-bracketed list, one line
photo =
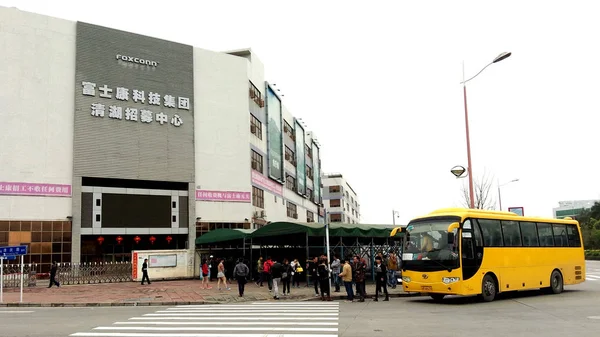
[(217, 322), (251, 313), (15, 312), (134, 334), (263, 328), (240, 311), (236, 318)]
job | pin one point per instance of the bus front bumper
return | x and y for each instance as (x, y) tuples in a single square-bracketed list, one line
[(447, 285)]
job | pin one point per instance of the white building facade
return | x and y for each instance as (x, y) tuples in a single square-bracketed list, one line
[(572, 208), (113, 142), (340, 200)]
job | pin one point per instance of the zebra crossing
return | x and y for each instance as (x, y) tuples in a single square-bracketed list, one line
[(592, 274), (258, 319)]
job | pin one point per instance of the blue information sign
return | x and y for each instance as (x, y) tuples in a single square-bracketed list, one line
[(11, 257), (13, 251)]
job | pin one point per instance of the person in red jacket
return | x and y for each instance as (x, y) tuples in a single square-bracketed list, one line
[(205, 276), (267, 272)]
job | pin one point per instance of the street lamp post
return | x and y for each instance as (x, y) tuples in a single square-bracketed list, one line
[(498, 58), (499, 194), (394, 215)]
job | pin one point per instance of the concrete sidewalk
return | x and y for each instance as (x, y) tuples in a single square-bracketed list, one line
[(180, 292)]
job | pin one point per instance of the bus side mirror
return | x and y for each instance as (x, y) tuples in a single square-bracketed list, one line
[(450, 238)]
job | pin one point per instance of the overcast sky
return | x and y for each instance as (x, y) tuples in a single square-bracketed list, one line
[(378, 82)]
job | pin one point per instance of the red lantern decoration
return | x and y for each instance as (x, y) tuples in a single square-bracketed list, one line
[(119, 239), (169, 239), (100, 240), (137, 239), (152, 239)]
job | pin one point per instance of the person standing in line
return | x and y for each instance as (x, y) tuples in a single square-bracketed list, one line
[(53, 270), (392, 267), (286, 276), (205, 275), (221, 276), (324, 280), (314, 274), (276, 273), (380, 279), (360, 273), (267, 272), (259, 271), (346, 276), (298, 270), (293, 273), (145, 272), (335, 270), (240, 272)]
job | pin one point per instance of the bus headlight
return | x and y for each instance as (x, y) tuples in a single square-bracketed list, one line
[(405, 279), (448, 280)]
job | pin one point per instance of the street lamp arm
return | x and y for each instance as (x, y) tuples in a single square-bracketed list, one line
[(464, 82)]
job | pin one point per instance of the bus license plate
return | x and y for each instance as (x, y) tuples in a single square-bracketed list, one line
[(426, 288)]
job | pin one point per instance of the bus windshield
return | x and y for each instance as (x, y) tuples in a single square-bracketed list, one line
[(426, 246)]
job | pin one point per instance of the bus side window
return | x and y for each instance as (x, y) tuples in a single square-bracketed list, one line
[(573, 235), (560, 235), (492, 232), (545, 233), (512, 234), (477, 232), (530, 235)]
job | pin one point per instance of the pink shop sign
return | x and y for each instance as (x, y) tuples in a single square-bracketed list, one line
[(231, 196), (266, 183), (49, 190)]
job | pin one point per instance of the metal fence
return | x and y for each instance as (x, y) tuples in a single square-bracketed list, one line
[(69, 273), (12, 275)]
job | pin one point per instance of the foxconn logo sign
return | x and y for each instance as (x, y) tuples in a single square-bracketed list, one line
[(137, 60)]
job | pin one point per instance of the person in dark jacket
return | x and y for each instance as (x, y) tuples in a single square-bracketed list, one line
[(276, 273), (323, 270), (312, 268), (286, 277), (360, 272), (380, 279), (145, 272), (53, 270), (240, 273)]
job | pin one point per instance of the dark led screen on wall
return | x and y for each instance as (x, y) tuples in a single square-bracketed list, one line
[(136, 211)]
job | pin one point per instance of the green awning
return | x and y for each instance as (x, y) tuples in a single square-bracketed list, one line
[(223, 234), (318, 229)]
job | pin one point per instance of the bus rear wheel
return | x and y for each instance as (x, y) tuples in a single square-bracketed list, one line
[(488, 288), (437, 297), (556, 282)]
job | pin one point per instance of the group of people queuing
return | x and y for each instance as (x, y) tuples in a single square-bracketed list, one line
[(350, 272)]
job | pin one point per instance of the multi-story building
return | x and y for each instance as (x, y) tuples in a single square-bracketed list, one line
[(340, 200), (572, 208), (113, 141)]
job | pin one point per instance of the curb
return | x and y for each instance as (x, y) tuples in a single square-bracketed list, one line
[(344, 297)]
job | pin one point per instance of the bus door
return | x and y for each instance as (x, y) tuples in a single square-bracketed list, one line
[(471, 259)]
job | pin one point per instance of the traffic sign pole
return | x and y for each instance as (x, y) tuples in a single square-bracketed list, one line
[(1, 279), (22, 256)]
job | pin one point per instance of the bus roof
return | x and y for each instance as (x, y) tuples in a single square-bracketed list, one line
[(464, 213)]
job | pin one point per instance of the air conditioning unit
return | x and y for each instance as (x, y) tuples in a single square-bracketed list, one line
[(252, 93), (256, 214), (295, 216), (287, 157), (263, 214), (254, 165), (262, 103), (252, 128)]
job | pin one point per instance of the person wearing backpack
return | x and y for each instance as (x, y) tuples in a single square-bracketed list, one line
[(267, 272), (240, 272)]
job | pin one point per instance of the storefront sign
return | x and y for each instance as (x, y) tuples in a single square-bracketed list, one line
[(266, 183), (152, 99), (232, 196), (49, 190)]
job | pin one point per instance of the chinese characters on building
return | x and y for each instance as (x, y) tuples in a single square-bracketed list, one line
[(114, 111), (19, 188)]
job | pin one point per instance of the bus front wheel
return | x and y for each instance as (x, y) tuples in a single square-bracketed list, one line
[(556, 282), (488, 288)]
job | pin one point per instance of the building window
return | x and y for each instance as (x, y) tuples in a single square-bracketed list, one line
[(257, 161), (310, 216), (290, 156), (292, 210), (290, 182), (309, 194), (309, 172), (308, 150), (335, 217), (288, 130), (255, 95), (255, 126), (258, 197), (335, 203), (346, 194), (335, 189)]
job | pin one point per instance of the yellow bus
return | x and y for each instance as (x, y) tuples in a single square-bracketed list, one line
[(458, 251)]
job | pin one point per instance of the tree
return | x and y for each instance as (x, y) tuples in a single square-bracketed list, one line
[(482, 190), (589, 221)]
